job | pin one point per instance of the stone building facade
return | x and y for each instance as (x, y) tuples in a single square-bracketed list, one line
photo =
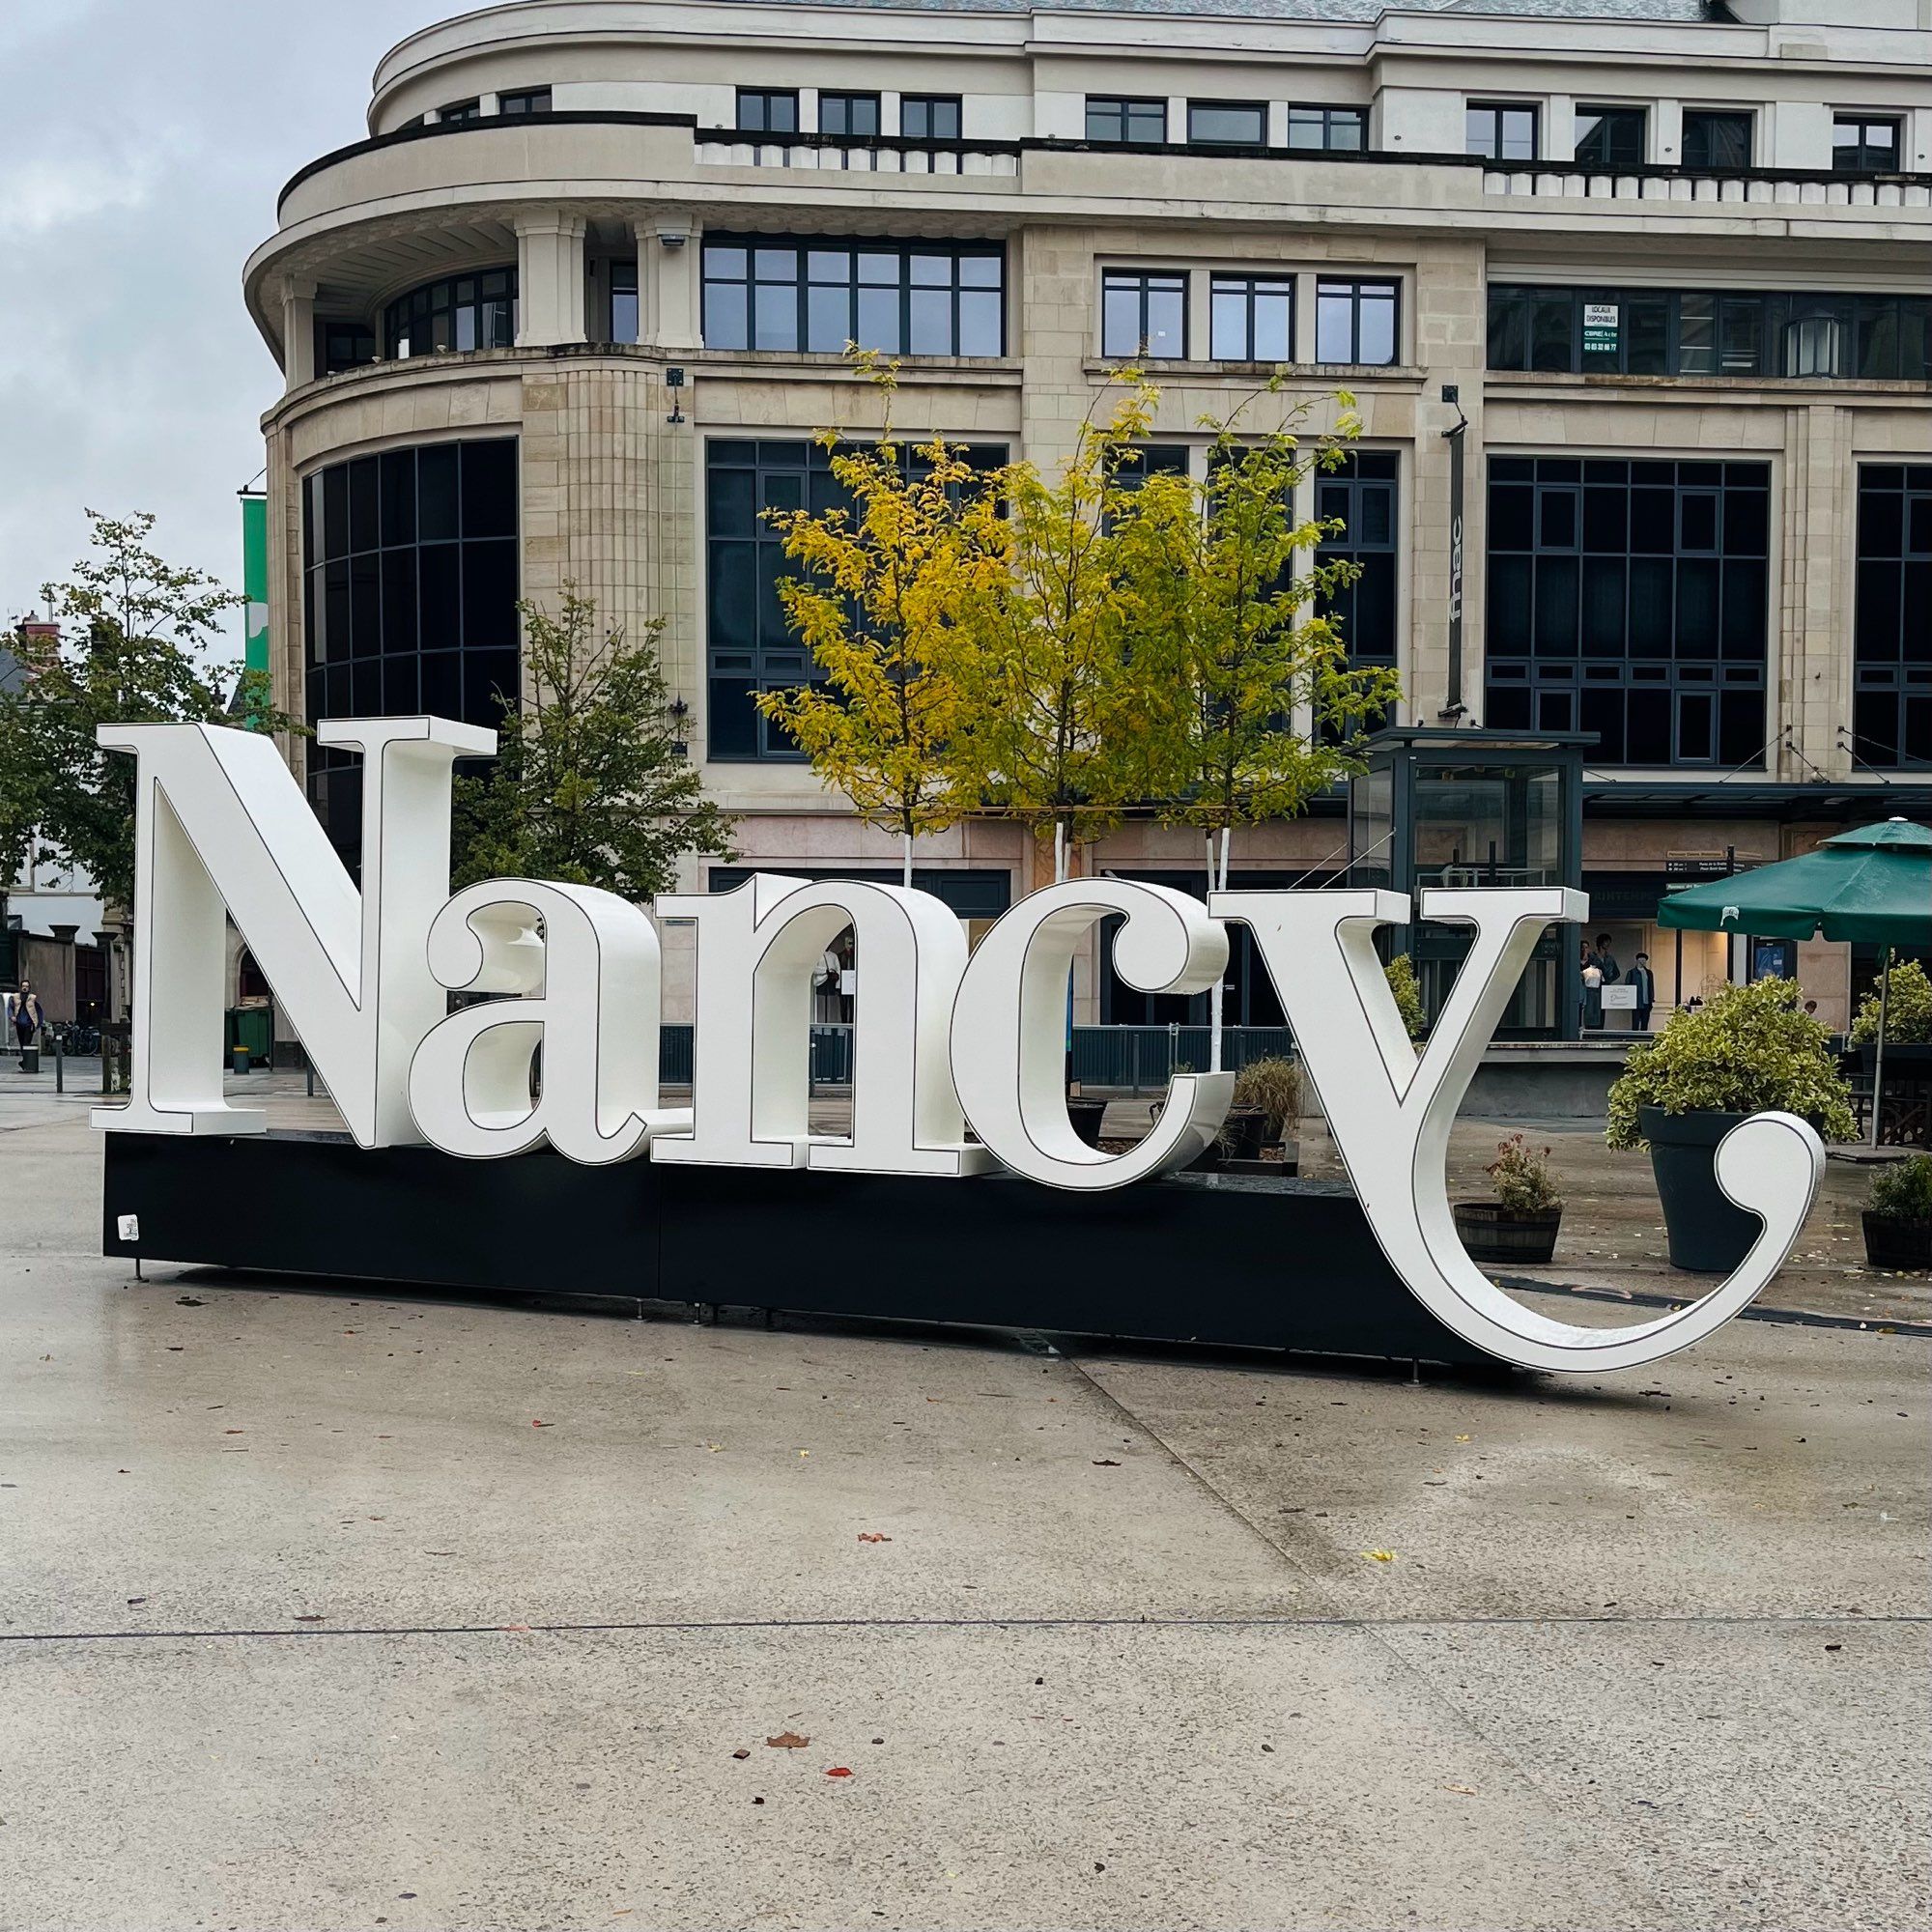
[(1668, 263)]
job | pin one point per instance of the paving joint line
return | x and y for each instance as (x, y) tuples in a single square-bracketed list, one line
[(701, 1625)]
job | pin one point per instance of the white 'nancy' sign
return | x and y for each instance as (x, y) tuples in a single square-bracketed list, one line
[(939, 1041)]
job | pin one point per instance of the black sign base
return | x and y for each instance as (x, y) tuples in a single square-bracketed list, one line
[(1237, 1262)]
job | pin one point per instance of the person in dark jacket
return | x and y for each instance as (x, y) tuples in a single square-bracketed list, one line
[(1644, 981), (1605, 960)]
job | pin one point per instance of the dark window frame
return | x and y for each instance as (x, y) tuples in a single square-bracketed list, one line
[(1246, 289), (757, 102), (624, 281), (1257, 108), (396, 548), (1746, 333), (1708, 120), (930, 106), (1860, 157), (457, 113), (1614, 123), (524, 101), (1144, 284), (1369, 619), (1124, 111), (338, 339), (1355, 289), (844, 100), (1632, 597), (744, 556), (1330, 117), (1892, 637), (491, 315), (1496, 110), (804, 280)]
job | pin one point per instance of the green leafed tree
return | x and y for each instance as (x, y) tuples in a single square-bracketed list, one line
[(1257, 710), (135, 645), (1055, 699), (590, 784)]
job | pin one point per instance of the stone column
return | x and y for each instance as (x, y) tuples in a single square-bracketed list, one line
[(549, 278), (297, 333), (668, 303)]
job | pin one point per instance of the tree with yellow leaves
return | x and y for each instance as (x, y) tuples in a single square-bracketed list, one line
[(885, 578)]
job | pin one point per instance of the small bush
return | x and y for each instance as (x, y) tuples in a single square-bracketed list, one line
[(1749, 1051), (1400, 972), (1908, 1010), (1275, 1086), (1521, 1178), (1903, 1191)]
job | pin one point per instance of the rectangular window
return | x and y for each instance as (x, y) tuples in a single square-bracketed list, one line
[(1113, 117), (1328, 128), (1355, 321), (1631, 599), (1501, 133), (1610, 137), (530, 100), (1229, 123), (853, 114), (902, 297), (749, 646), (1717, 140), (461, 110), (1864, 144), (1709, 332), (930, 117), (768, 110), (1251, 319), (342, 345), (624, 302), (1364, 495), (1892, 644), (1144, 315)]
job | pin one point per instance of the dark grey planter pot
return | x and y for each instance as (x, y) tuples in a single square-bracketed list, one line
[(1897, 1245), (1491, 1233), (1709, 1233), (1087, 1115)]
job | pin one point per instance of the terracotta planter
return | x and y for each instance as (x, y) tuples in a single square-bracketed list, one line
[(1492, 1233), (1897, 1245)]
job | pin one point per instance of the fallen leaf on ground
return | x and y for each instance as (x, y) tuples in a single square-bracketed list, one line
[(787, 1740), (313, 1617), (189, 1301), (535, 1424), (1379, 1555), (872, 1536), (1464, 1790), (838, 1771), (1106, 1463)]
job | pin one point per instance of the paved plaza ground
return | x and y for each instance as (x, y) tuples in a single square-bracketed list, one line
[(337, 1609)]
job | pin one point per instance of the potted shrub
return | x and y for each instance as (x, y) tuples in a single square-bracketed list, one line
[(1908, 1010), (1747, 1050), (1898, 1214), (1400, 972), (1268, 1099), (1520, 1224)]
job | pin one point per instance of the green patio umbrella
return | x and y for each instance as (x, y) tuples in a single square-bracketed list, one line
[(1874, 884)]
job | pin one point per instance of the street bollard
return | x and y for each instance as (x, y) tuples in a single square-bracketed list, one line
[(60, 1066)]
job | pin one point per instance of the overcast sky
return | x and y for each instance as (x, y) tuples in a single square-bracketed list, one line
[(141, 149)]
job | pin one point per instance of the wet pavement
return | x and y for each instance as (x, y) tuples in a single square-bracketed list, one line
[(329, 1609)]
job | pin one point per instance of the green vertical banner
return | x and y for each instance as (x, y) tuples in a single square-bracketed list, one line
[(255, 581)]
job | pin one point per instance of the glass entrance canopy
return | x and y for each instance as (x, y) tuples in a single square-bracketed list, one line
[(1441, 807)]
